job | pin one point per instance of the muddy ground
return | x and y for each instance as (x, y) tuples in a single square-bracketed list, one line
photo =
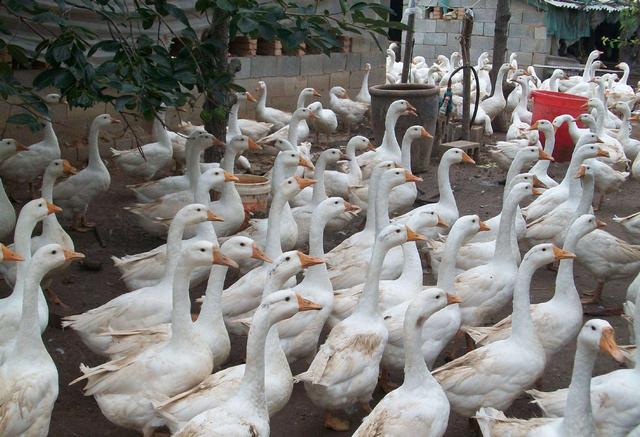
[(477, 191)]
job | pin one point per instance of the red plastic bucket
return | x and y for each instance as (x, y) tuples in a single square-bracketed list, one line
[(547, 105)]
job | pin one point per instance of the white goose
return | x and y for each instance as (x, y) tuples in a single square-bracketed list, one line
[(338, 183), (28, 375), (596, 335), (325, 121), (297, 129), (495, 104), (126, 389), (541, 167), (345, 370), (350, 112), (245, 413), (243, 126), (615, 396), (267, 114), (363, 95), (75, 193), (496, 374), (142, 308), (420, 402), (9, 147), (553, 82), (7, 215), (11, 306)]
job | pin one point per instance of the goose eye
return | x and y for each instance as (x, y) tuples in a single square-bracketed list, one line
[(593, 328), (40, 205), (289, 182), (397, 231), (201, 250), (53, 252), (287, 298), (198, 209), (242, 244), (438, 296), (473, 221), (287, 258), (544, 249), (335, 203)]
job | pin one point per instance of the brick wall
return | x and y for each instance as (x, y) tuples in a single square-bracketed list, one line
[(527, 33)]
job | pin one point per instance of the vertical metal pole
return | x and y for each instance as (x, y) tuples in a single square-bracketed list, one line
[(408, 43), (465, 43)]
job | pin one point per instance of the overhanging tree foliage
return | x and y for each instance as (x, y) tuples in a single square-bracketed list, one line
[(141, 71)]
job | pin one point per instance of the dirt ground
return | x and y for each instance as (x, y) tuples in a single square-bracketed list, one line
[(477, 191)]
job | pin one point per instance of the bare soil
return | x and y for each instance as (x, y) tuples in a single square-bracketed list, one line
[(477, 191)]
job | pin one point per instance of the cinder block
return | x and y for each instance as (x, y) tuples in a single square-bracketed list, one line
[(288, 65), (482, 43), (339, 79), (335, 62), (311, 64), (478, 28), (275, 87), (540, 32), (491, 4), (436, 39), (513, 44), (484, 15), (264, 66), (428, 51), (448, 26), (293, 85), (426, 26), (245, 68), (354, 61), (516, 17), (248, 84), (524, 58), (489, 29), (521, 30), (532, 16), (539, 58), (377, 76), (534, 45), (360, 44), (418, 38), (320, 83), (355, 79)]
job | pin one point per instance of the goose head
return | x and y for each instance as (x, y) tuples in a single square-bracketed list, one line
[(397, 176), (334, 206), (367, 67), (309, 92), (9, 146), (38, 209), (585, 172), (455, 156), (587, 120), (521, 191), (415, 132), (621, 108), (292, 158), (261, 87), (204, 253), (240, 143), (203, 140), (590, 148), (7, 254), (528, 178), (290, 264), (284, 145), (196, 213), (245, 96), (598, 335), (426, 219), (303, 114), (546, 253), (530, 154), (584, 224), (359, 143), (240, 247), (290, 187), (214, 178), (545, 126), (315, 107), (456, 59), (468, 226), (558, 74), (284, 304), (104, 120), (428, 302), (395, 234), (331, 156), (52, 256), (340, 92), (54, 98), (561, 119), (402, 107), (60, 167)]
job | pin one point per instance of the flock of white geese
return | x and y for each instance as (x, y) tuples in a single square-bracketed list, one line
[(163, 369)]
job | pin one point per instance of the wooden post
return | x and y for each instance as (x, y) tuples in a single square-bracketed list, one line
[(408, 43), (465, 43), (503, 15)]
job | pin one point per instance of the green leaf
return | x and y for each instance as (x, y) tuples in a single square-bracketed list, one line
[(178, 14), (60, 53), (122, 102), (25, 119), (225, 5), (247, 25)]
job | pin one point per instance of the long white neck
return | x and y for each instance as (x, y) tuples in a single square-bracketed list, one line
[(354, 169), (319, 191), (522, 324), (173, 248), (625, 75), (302, 97), (228, 165), (273, 247), (95, 162), (503, 253), (565, 284), (447, 199), (447, 272), (319, 221), (553, 83), (232, 127), (210, 319), (294, 125), (181, 323), (578, 419), (262, 100), (416, 372), (405, 159), (586, 74), (192, 168), (252, 385), (382, 203), (28, 339), (372, 201), (22, 246), (412, 267), (524, 97), (49, 135), (205, 230), (160, 131), (514, 169), (569, 181), (50, 222), (368, 303), (364, 89), (389, 140), (625, 128), (499, 92)]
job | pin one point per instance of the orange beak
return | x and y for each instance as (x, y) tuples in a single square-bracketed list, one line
[(414, 236), (316, 93), (585, 105), (8, 254), (304, 183), (69, 255), (211, 217), (535, 191), (53, 208), (562, 254), (537, 183), (305, 163), (350, 207), (600, 224), (466, 158), (228, 177), (250, 98), (306, 304), (68, 168), (21, 147), (222, 260), (545, 156), (534, 126), (115, 121), (452, 298), (441, 223), (411, 110), (581, 172), (308, 261), (259, 254), (312, 115), (603, 153), (608, 344), (483, 227), (217, 142), (253, 145), (410, 177), (371, 147), (425, 134)]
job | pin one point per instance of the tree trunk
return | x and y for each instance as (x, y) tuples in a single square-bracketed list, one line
[(218, 100), (503, 15)]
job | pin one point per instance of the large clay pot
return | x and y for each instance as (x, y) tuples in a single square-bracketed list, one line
[(425, 100)]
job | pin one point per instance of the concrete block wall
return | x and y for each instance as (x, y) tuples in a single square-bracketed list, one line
[(527, 33)]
